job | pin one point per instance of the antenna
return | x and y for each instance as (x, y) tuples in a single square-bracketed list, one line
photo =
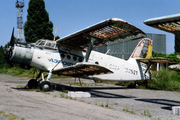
[(55, 35), (19, 6)]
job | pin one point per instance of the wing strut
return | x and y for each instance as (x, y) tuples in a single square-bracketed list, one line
[(149, 64), (91, 44)]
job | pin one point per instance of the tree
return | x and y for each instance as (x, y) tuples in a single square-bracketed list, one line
[(177, 44), (37, 25), (2, 58)]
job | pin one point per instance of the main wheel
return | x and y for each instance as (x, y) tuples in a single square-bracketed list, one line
[(32, 84), (45, 86)]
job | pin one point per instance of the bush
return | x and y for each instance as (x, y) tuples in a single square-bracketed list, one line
[(166, 80)]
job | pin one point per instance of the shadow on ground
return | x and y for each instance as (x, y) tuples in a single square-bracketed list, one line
[(92, 89), (169, 103)]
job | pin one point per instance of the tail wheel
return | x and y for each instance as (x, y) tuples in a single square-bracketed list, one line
[(45, 86), (32, 84)]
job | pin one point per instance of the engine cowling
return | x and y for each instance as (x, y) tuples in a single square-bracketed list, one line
[(22, 54)]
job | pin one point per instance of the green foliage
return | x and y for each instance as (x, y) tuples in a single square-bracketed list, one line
[(159, 55), (37, 25), (2, 58), (166, 80), (177, 44), (146, 113), (172, 56)]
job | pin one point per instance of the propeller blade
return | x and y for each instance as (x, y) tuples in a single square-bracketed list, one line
[(12, 38)]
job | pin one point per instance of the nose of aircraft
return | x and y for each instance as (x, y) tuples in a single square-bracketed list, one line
[(176, 66), (20, 52)]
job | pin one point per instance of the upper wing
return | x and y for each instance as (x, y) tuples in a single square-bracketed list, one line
[(170, 23), (107, 31), (155, 60), (82, 69)]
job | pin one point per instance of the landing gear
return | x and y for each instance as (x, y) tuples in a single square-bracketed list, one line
[(32, 84), (133, 85), (136, 86), (45, 86)]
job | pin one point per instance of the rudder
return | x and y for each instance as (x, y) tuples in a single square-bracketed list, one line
[(143, 49)]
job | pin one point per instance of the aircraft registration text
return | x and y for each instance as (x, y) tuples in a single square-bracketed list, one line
[(131, 71)]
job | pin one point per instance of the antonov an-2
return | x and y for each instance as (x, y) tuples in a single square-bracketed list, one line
[(73, 55)]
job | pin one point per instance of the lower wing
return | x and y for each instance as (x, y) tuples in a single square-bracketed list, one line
[(155, 60), (82, 69)]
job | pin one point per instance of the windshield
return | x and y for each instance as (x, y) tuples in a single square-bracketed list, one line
[(46, 44)]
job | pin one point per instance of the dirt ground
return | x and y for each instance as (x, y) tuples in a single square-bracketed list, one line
[(106, 101)]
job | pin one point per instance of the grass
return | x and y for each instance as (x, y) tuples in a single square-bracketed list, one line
[(146, 113), (18, 71), (107, 105), (166, 80), (10, 116), (127, 110)]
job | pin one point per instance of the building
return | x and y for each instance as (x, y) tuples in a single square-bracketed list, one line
[(124, 50)]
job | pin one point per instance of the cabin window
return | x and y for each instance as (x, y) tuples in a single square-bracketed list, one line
[(80, 59), (74, 58), (62, 55), (68, 57)]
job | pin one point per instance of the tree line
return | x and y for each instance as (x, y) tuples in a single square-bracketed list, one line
[(38, 26)]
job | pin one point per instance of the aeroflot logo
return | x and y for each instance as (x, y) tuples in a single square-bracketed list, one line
[(63, 62)]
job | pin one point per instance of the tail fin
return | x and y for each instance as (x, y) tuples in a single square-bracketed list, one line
[(143, 49)]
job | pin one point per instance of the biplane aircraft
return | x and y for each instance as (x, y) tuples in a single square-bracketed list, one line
[(171, 24), (73, 55)]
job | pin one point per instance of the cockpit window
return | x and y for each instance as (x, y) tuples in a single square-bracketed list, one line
[(38, 42), (53, 45), (42, 43), (46, 44)]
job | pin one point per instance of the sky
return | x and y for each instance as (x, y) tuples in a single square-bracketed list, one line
[(69, 16)]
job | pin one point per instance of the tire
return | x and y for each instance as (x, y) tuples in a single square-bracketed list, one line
[(45, 86), (32, 84)]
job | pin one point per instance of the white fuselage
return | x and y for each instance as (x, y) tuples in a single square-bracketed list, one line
[(123, 70)]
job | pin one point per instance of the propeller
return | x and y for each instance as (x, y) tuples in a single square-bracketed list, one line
[(11, 44), (12, 38)]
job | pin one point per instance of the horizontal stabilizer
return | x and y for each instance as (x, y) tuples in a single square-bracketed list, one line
[(155, 60), (107, 32), (83, 69)]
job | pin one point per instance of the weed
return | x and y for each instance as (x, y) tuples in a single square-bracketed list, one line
[(107, 105), (66, 96), (102, 105), (55, 87), (146, 113), (10, 116), (115, 103), (62, 95), (127, 110), (95, 103)]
